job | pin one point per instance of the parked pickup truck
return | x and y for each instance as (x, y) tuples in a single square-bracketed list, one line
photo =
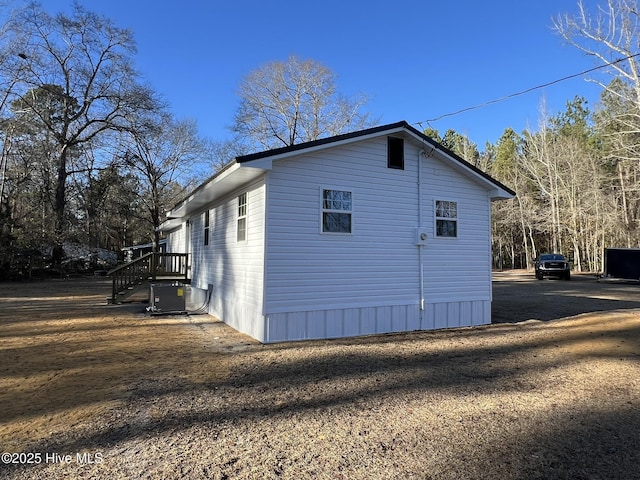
[(552, 265)]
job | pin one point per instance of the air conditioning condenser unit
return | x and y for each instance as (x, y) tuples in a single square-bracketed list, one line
[(167, 297)]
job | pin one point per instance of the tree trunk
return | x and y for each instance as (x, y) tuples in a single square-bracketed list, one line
[(60, 208), (625, 210)]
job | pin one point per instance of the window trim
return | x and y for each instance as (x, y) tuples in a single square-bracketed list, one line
[(242, 209), (455, 220), (395, 148), (324, 210)]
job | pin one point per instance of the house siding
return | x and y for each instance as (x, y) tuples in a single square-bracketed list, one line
[(457, 268), (348, 322), (291, 281), (335, 285), (176, 239), (233, 270)]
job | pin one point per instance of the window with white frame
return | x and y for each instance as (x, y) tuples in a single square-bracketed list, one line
[(242, 217), (206, 227), (446, 218), (336, 211)]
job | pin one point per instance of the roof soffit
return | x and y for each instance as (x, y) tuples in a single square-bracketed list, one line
[(216, 188)]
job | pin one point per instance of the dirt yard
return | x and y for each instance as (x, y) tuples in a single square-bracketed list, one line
[(518, 296), (90, 390)]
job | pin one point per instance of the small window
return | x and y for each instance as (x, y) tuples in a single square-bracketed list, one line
[(242, 217), (206, 227), (446, 219), (336, 211), (395, 153)]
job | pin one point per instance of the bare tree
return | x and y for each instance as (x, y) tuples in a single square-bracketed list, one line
[(284, 103), (611, 34), (221, 153), (513, 219), (11, 70), (81, 65), (164, 155)]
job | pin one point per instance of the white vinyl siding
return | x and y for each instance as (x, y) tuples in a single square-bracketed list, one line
[(325, 241), (348, 322), (377, 264), (234, 269), (176, 239), (458, 268)]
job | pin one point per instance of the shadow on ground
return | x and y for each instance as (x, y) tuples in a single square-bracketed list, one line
[(518, 297), (509, 398)]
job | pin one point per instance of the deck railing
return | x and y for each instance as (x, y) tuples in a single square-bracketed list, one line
[(149, 267)]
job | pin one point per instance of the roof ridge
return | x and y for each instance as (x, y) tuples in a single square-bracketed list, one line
[(321, 141)]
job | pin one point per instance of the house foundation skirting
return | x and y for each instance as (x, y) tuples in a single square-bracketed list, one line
[(358, 321)]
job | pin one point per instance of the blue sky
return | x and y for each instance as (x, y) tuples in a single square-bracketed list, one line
[(415, 60)]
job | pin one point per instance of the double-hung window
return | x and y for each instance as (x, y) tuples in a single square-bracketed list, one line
[(242, 217), (446, 218), (336, 211)]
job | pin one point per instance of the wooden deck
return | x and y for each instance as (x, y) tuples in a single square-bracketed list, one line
[(131, 277)]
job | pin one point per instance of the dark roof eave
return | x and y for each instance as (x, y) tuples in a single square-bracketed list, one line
[(319, 142), (337, 139)]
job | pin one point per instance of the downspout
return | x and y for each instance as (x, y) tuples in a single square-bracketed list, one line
[(421, 153), (420, 233)]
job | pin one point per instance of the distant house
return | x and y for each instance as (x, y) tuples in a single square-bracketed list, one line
[(381, 230), (136, 251)]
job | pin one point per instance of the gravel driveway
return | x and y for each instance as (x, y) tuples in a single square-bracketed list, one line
[(518, 296)]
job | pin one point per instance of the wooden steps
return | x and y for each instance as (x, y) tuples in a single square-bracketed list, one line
[(132, 277)]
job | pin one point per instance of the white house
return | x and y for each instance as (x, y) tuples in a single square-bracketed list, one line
[(381, 230)]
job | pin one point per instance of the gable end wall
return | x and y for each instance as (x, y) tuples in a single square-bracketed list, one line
[(322, 286)]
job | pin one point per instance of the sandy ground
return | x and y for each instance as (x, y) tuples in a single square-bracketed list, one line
[(518, 297), (89, 390)]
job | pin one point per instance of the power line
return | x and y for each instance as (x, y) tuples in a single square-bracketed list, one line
[(528, 90)]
